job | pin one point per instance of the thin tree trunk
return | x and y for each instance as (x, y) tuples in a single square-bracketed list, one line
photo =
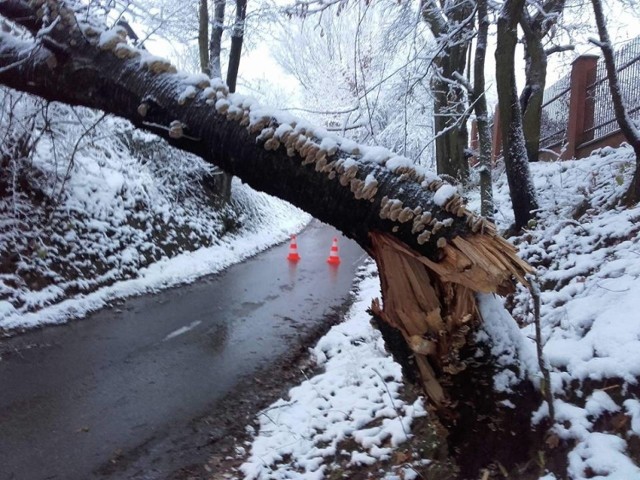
[(203, 36), (433, 255), (219, 182), (216, 37), (482, 114), (521, 188), (535, 29), (452, 31), (237, 37), (451, 130), (629, 130)]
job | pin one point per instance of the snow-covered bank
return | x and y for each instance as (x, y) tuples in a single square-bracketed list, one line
[(92, 210), (272, 222), (586, 250)]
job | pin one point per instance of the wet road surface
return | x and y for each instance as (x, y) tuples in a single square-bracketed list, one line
[(75, 398)]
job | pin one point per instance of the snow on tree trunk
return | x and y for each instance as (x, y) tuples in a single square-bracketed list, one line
[(514, 150), (452, 29), (433, 254), (237, 37), (203, 36), (482, 114), (215, 47), (535, 27)]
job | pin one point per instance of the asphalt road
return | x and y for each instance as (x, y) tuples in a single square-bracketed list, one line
[(127, 381)]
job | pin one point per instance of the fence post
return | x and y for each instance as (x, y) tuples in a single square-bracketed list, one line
[(580, 106)]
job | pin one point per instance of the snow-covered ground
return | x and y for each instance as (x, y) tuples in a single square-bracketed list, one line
[(356, 397), (587, 254)]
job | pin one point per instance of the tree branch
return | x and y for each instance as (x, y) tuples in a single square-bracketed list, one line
[(432, 14), (559, 49)]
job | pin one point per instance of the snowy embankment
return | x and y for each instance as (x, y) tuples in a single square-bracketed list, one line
[(92, 210), (587, 254), (586, 250), (271, 222)]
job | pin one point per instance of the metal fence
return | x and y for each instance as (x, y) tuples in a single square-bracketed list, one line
[(555, 113), (628, 67), (555, 108)]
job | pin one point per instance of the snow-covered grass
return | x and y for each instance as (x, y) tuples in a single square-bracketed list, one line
[(352, 411), (92, 210)]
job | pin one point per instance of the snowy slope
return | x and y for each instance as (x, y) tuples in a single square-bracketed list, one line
[(587, 254), (92, 210)]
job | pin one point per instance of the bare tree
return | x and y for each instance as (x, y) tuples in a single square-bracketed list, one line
[(630, 131), (203, 36), (237, 37), (375, 55), (209, 53), (479, 100), (215, 48)]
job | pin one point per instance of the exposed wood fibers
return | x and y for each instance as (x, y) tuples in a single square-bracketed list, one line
[(433, 303)]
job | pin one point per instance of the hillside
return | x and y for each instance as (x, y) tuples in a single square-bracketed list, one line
[(92, 210), (354, 418)]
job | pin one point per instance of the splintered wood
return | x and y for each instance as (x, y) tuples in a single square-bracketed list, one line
[(433, 303)]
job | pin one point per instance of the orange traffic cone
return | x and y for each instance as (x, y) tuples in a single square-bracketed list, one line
[(334, 258), (293, 250)]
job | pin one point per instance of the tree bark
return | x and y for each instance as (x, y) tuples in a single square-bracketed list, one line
[(531, 98), (203, 36), (479, 99), (521, 188), (535, 28), (237, 37), (629, 130), (433, 254), (215, 49), (453, 34)]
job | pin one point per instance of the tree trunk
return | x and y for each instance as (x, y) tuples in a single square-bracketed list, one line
[(535, 29), (433, 255), (629, 130), (220, 181), (203, 36), (237, 37), (451, 131), (215, 49), (449, 100), (531, 98), (479, 99), (436, 313), (516, 162)]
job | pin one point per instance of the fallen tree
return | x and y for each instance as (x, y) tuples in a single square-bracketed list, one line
[(434, 256)]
